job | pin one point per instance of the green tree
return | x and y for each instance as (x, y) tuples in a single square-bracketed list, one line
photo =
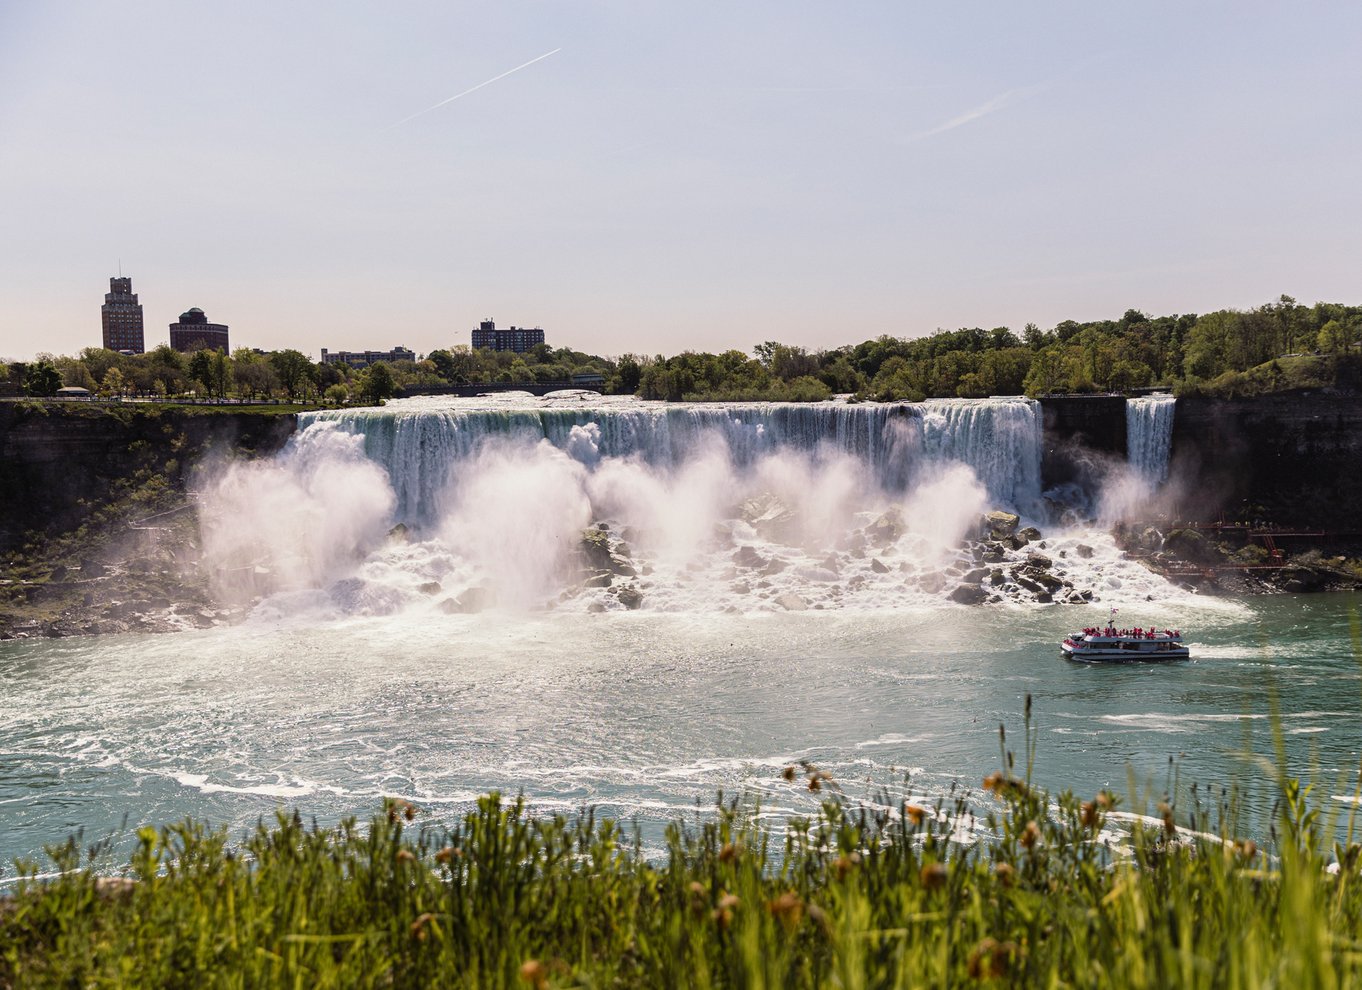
[(220, 371), (293, 368), (201, 369), (378, 383), (42, 379), (1332, 337), (114, 383), (629, 374)]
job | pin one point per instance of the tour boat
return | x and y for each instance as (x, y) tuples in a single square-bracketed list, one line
[(1109, 644)]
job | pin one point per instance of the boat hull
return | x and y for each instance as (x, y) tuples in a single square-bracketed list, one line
[(1132, 652)]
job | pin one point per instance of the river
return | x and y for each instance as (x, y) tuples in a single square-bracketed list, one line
[(350, 682)]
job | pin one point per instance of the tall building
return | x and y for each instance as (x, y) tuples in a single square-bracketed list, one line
[(194, 331), (362, 359), (121, 315), (518, 339)]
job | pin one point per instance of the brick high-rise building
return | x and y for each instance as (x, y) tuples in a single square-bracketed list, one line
[(121, 315), (518, 339), (194, 331)]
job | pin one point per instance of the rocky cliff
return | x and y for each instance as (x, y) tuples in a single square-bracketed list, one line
[(63, 461), (1293, 458)]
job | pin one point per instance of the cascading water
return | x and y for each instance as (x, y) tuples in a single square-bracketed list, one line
[(426, 446), (693, 507), (1149, 436)]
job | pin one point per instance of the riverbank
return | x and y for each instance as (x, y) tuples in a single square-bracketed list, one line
[(1058, 889)]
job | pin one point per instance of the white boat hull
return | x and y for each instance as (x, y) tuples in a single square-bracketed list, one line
[(1124, 651)]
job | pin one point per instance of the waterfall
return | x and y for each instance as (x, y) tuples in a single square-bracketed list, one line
[(1149, 434), (424, 443)]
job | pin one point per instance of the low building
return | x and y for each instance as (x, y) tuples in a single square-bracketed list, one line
[(588, 380), (194, 332), (518, 339), (362, 359)]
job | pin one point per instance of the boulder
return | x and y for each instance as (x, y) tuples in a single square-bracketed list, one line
[(976, 576), (770, 517), (1039, 561), (932, 583), (878, 566), (399, 533), (791, 602), (1084, 551), (1001, 524), (595, 546), (996, 576), (1192, 545), (747, 556), (775, 566), (630, 597), (430, 588), (601, 580), (472, 600), (887, 529), (969, 594), (621, 566)]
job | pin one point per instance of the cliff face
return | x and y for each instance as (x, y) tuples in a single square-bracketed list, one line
[(62, 461), (1292, 458), (1083, 435)]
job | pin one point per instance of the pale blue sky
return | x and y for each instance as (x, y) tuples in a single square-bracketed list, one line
[(676, 176)]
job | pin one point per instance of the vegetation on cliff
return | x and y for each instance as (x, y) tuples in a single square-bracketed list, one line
[(1278, 346), (1057, 891)]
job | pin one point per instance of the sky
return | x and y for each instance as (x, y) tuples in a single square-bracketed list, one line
[(654, 177)]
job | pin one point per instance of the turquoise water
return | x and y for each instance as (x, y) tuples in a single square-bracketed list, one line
[(648, 714)]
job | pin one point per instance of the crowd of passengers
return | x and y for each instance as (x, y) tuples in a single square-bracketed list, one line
[(1150, 633)]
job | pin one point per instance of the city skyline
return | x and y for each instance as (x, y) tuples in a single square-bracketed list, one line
[(644, 181)]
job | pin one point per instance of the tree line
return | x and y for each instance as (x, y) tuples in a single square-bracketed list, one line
[(1224, 352)]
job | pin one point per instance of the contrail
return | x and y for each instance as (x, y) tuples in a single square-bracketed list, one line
[(479, 86)]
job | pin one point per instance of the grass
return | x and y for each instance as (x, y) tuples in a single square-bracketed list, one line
[(878, 895)]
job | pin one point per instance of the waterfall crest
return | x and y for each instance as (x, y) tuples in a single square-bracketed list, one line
[(424, 444)]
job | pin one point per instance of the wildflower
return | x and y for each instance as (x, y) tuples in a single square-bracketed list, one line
[(1246, 849), (991, 959), (405, 856), (788, 773), (723, 914), (1030, 836), (1166, 813), (915, 814), (1001, 785), (730, 852), (787, 907), (1006, 873), (1090, 817), (447, 854), (845, 864), (1105, 800), (535, 973), (418, 927), (933, 876)]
